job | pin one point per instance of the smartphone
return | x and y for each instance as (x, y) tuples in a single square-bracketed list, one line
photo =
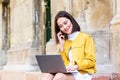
[(62, 34), (65, 35)]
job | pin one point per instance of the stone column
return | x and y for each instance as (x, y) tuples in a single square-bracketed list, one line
[(27, 30), (0, 34), (4, 33), (115, 38), (0, 26)]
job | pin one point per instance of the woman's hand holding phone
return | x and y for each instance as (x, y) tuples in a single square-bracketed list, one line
[(61, 39)]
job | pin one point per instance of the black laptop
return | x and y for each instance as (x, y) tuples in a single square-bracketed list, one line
[(51, 64)]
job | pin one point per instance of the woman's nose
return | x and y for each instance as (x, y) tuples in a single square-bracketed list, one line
[(65, 26)]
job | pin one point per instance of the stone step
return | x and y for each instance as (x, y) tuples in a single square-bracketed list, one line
[(101, 78), (14, 75), (0, 75), (17, 75)]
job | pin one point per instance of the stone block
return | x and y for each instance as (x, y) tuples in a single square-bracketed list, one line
[(18, 56), (20, 75), (101, 78), (0, 75), (12, 75), (33, 76)]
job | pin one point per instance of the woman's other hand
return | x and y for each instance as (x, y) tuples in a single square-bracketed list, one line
[(72, 68)]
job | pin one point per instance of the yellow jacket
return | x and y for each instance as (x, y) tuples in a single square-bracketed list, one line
[(83, 53)]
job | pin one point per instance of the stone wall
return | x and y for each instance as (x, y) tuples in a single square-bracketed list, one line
[(26, 35), (3, 56), (21, 28), (0, 26), (115, 46), (98, 14), (115, 38), (21, 22)]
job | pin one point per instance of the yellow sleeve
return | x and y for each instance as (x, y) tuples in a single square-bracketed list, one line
[(64, 57), (89, 60)]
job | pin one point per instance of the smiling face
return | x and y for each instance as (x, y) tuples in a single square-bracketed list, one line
[(65, 25)]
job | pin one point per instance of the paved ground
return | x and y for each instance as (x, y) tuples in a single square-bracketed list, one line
[(17, 75)]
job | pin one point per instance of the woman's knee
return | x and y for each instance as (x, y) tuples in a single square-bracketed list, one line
[(47, 76), (60, 76)]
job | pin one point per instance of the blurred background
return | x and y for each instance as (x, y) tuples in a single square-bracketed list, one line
[(27, 29)]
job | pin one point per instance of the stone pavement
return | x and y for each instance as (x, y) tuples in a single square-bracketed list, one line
[(14, 75), (17, 75)]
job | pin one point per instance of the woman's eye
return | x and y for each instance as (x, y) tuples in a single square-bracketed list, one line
[(65, 22)]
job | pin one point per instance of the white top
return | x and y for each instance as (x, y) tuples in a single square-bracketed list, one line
[(72, 37)]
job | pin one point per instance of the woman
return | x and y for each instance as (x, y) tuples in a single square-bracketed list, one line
[(76, 48)]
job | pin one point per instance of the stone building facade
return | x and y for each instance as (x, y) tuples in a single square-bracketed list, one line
[(22, 31)]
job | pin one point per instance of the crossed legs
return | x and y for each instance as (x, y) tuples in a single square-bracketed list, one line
[(58, 76)]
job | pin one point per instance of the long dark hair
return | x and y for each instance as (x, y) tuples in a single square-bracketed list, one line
[(76, 26)]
